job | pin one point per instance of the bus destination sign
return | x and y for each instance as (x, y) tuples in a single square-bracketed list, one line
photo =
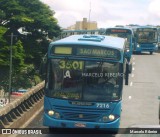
[(146, 29), (99, 52), (119, 30)]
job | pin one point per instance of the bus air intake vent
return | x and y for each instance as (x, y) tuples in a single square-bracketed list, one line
[(92, 38)]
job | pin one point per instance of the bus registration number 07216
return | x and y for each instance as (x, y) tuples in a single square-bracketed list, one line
[(102, 105)]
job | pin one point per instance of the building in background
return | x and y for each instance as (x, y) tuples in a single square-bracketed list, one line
[(84, 25)]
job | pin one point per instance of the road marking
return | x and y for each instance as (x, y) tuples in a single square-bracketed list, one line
[(133, 58), (131, 84), (132, 75), (130, 97), (134, 63), (133, 68)]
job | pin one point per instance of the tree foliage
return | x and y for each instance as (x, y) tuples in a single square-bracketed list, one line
[(32, 15), (33, 23)]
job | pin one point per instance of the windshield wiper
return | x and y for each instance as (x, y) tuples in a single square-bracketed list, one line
[(100, 64), (66, 59)]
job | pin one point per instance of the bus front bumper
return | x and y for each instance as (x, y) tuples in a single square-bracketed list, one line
[(58, 123), (152, 49)]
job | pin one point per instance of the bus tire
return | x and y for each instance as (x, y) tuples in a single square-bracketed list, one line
[(159, 113), (138, 52), (151, 52), (130, 69), (126, 81), (127, 74)]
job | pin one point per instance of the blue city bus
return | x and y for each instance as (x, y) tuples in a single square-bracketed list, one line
[(84, 82), (146, 39), (123, 32), (158, 28)]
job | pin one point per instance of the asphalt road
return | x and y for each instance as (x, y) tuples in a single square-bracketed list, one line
[(140, 99)]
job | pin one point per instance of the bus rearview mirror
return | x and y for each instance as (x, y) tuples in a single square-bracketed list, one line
[(127, 74), (43, 66)]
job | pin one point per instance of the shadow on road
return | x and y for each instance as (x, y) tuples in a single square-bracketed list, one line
[(143, 53)]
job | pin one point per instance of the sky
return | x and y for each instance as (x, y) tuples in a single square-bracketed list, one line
[(107, 13)]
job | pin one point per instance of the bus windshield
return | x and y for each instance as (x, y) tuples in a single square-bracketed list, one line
[(122, 35), (127, 36), (84, 80), (147, 36)]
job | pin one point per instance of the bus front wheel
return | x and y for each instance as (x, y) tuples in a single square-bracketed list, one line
[(151, 52), (159, 113)]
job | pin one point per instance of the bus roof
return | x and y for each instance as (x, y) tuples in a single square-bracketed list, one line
[(94, 40), (139, 27)]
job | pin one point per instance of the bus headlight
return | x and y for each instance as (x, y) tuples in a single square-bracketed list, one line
[(50, 112), (54, 114), (111, 117), (138, 46), (126, 50), (108, 118), (156, 46)]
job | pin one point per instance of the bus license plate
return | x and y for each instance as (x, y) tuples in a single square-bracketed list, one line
[(82, 125)]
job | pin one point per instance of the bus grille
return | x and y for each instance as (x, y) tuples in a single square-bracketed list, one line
[(147, 46), (80, 114)]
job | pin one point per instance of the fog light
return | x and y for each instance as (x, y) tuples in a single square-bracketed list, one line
[(57, 115), (111, 117), (105, 118), (127, 50), (51, 112)]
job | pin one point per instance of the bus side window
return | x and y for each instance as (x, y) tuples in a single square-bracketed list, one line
[(133, 39), (126, 45)]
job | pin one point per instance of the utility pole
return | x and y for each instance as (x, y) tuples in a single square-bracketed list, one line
[(10, 66), (89, 15)]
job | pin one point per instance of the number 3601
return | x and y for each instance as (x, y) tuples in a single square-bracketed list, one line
[(71, 65)]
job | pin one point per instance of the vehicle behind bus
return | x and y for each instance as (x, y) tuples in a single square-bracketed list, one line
[(126, 33), (66, 33), (84, 82), (158, 37), (123, 32), (146, 39)]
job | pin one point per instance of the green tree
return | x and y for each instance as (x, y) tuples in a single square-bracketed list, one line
[(36, 19), (32, 15), (33, 22), (18, 57), (2, 16), (18, 52), (3, 48)]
